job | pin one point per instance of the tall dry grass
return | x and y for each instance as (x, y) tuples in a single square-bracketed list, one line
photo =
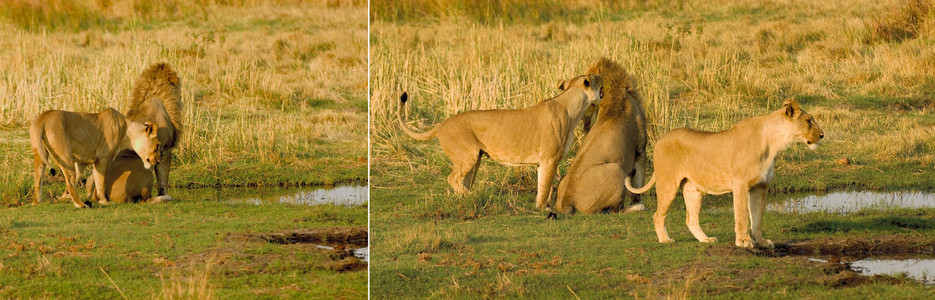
[(698, 65), (267, 86)]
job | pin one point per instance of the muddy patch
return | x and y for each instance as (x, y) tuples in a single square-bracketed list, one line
[(850, 202), (855, 261), (346, 247)]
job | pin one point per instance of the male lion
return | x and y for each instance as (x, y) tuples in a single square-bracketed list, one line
[(537, 135), (614, 148), (74, 139), (156, 97), (739, 160)]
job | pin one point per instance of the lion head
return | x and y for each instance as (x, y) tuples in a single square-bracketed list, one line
[(802, 124)]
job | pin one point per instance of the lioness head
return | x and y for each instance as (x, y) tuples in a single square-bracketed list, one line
[(145, 142), (591, 84), (804, 127)]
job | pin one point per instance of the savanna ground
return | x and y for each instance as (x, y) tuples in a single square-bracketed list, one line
[(274, 93), (865, 70)]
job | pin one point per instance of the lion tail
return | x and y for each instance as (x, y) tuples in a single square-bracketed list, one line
[(160, 83), (36, 137), (422, 136), (646, 187)]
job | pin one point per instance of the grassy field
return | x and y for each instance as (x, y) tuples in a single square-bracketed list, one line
[(274, 90), (182, 250), (865, 71)]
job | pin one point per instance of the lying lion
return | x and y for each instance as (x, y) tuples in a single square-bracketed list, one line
[(74, 139), (537, 135), (614, 148), (739, 160)]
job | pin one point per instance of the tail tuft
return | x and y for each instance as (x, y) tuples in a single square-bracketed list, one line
[(404, 98)]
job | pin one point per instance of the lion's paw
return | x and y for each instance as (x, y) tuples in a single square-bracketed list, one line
[(635, 208), (766, 244), (709, 239), (744, 242), (666, 241)]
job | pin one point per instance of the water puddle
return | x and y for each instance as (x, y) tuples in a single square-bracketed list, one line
[(349, 196), (850, 202), (361, 253), (919, 269)]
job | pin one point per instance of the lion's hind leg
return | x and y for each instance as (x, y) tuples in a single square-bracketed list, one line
[(462, 170), (693, 198), (665, 194)]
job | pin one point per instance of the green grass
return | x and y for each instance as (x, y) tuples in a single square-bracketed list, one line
[(495, 243), (54, 250)]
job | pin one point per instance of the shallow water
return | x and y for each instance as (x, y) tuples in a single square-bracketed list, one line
[(361, 253), (849, 202), (348, 195), (920, 269), (339, 195)]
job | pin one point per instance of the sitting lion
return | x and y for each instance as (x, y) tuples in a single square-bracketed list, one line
[(75, 139), (614, 148), (156, 97), (537, 135), (739, 160)]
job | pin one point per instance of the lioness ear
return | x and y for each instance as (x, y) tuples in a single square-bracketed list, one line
[(561, 85), (587, 83), (149, 128), (791, 108)]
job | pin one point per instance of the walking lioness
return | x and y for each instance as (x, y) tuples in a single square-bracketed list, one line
[(537, 135), (614, 148), (73, 139), (739, 160)]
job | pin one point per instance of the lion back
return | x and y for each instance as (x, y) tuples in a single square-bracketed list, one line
[(159, 83)]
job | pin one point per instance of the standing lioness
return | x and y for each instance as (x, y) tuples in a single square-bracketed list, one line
[(537, 135), (739, 160), (82, 138)]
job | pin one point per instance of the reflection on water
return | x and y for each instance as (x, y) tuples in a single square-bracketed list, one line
[(849, 202), (339, 195), (919, 269), (361, 253)]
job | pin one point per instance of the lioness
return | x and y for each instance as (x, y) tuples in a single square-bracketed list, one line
[(537, 135), (614, 148), (739, 160), (73, 139), (128, 180)]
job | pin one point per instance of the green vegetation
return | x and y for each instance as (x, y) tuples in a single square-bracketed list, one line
[(697, 65), (183, 249), (274, 91)]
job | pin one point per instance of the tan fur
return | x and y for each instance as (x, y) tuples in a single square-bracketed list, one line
[(739, 161), (72, 139), (614, 148), (127, 180), (537, 135), (156, 97)]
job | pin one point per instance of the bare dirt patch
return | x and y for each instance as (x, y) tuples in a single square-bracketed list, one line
[(332, 235)]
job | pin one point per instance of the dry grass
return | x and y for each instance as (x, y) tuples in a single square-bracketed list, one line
[(700, 66), (280, 83)]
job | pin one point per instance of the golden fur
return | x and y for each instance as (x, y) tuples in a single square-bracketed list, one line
[(614, 148), (537, 135), (74, 139), (739, 161), (156, 97)]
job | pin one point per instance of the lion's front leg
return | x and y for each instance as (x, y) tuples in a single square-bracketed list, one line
[(98, 174), (546, 173), (162, 173), (742, 217), (757, 205)]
